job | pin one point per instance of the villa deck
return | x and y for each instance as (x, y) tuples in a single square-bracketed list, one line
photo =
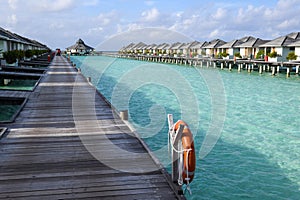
[(43, 155)]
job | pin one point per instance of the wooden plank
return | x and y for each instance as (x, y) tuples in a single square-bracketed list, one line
[(43, 157)]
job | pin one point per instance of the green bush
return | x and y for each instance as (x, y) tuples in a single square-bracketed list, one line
[(20, 54), (273, 54), (194, 54), (260, 54), (223, 54), (28, 53), (10, 57), (291, 56), (237, 55)]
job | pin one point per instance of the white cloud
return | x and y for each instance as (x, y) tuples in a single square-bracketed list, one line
[(51, 5), (13, 4), (149, 3), (150, 15), (289, 24), (214, 34), (56, 26), (12, 19), (90, 3), (133, 26), (220, 14), (105, 19), (95, 30), (119, 28)]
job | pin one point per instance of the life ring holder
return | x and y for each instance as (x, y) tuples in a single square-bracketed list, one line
[(180, 139)]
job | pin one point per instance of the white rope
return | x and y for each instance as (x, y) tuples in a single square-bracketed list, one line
[(180, 165), (188, 188)]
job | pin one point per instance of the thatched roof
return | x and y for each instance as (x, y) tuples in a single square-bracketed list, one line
[(80, 45)]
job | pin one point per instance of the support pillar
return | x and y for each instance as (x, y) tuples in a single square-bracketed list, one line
[(287, 72)]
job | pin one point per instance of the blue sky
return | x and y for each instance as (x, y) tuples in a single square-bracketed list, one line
[(59, 23)]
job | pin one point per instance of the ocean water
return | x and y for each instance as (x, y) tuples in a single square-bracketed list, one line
[(7, 111), (257, 153), (18, 84)]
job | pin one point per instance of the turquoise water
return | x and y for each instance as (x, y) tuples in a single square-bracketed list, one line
[(7, 111), (257, 155), (18, 84)]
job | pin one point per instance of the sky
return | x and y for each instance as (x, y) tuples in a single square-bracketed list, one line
[(110, 24)]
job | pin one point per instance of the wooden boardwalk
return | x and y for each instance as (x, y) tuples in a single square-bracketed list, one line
[(42, 156)]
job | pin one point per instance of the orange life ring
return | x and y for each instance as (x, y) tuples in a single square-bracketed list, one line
[(189, 157)]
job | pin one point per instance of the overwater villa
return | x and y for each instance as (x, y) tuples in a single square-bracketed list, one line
[(11, 41), (197, 48), (250, 48), (296, 45), (279, 47), (211, 48), (247, 48), (80, 48)]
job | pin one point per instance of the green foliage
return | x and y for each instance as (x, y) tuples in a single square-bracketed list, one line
[(237, 55), (273, 54), (28, 53), (194, 54), (260, 54), (20, 54), (291, 56), (223, 54), (10, 57)]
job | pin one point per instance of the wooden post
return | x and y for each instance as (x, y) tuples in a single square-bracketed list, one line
[(222, 65), (278, 69), (207, 64), (264, 68), (260, 69), (6, 81), (297, 70), (124, 114), (287, 72), (239, 67), (273, 71), (230, 66)]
